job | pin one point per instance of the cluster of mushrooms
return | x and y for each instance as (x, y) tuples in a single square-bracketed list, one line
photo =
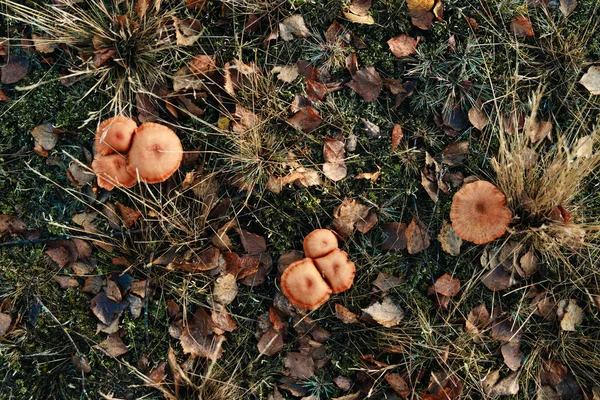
[(308, 283), (127, 153), (479, 213)]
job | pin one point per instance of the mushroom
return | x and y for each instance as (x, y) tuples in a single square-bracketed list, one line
[(111, 171), (114, 135), (337, 270), (155, 153), (319, 243), (479, 213), (303, 285)]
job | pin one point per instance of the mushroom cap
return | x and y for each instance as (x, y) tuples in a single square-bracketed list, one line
[(111, 171), (155, 153), (319, 243), (337, 270), (114, 134), (304, 286), (479, 213)]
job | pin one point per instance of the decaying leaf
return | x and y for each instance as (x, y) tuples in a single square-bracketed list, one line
[(521, 26), (226, 289), (285, 73), (334, 152), (358, 12), (386, 313), (298, 365), (306, 120), (270, 343), (449, 240), (454, 154), (253, 243), (187, 31), (5, 321), (43, 43), (113, 346), (512, 355), (403, 45), (395, 236), (11, 225), (15, 69), (367, 83), (539, 130), (293, 26), (385, 282), (350, 215), (567, 6), (45, 138), (198, 338), (498, 279), (397, 136), (573, 315), (398, 383), (507, 386), (345, 315), (372, 176), (66, 282), (417, 238), (591, 80), (446, 285), (477, 116)]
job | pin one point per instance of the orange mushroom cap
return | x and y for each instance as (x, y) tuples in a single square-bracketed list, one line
[(319, 243), (337, 270), (114, 134), (479, 213), (111, 171), (304, 286), (155, 153)]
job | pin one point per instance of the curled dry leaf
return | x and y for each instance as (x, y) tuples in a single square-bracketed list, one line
[(367, 83), (350, 215), (386, 313), (417, 238), (403, 45), (591, 80), (358, 12), (345, 315), (449, 240), (293, 26), (521, 26), (372, 176), (395, 236)]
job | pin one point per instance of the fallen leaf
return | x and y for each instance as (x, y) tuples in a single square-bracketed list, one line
[(545, 306), (454, 154), (81, 364), (203, 65), (225, 289), (350, 215), (567, 6), (270, 343), (395, 236), (197, 339), (44, 136), (345, 315), (11, 225), (286, 73), (352, 63), (498, 279), (528, 264), (360, 7), (398, 383), (86, 220), (306, 120), (253, 243), (298, 365), (293, 26), (4, 97), (447, 285), (187, 31), (5, 321), (504, 330), (386, 313), (43, 44), (128, 214), (539, 130), (512, 355), (315, 91), (221, 320), (423, 21), (334, 152), (82, 268), (403, 45), (370, 129), (92, 285), (438, 10), (449, 240), (397, 136), (79, 175), (343, 382), (521, 26), (591, 80), (367, 83), (417, 238), (15, 69), (66, 282), (478, 318), (372, 176), (509, 385), (359, 19), (573, 316), (113, 346), (477, 116), (105, 309)]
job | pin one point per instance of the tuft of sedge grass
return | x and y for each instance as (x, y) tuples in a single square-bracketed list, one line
[(146, 47), (546, 187)]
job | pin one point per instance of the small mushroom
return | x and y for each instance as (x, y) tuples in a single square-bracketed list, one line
[(114, 135), (479, 213), (304, 286), (155, 153), (337, 270), (111, 171), (319, 243)]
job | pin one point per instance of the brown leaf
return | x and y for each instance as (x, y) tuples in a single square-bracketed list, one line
[(395, 236), (417, 238), (4, 97), (454, 154), (344, 383), (92, 285), (226, 289), (573, 316), (512, 355), (11, 225), (372, 176), (370, 129), (539, 130), (386, 313), (197, 339), (544, 306), (506, 331), (438, 10), (397, 136), (591, 80), (509, 385), (204, 261), (298, 365), (398, 384), (479, 316), (16, 69), (351, 214), (86, 220), (352, 63), (60, 255), (521, 26), (359, 19), (81, 364), (44, 136), (306, 120), (498, 279), (105, 309), (5, 321), (66, 282), (293, 26), (477, 116), (197, 5), (528, 264), (423, 21), (449, 240), (345, 315), (187, 31), (406, 90), (129, 215), (43, 43), (367, 83), (403, 45), (79, 175), (203, 65), (113, 346), (315, 91), (567, 6), (253, 243), (221, 320), (270, 343), (447, 285), (334, 152), (385, 282)]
